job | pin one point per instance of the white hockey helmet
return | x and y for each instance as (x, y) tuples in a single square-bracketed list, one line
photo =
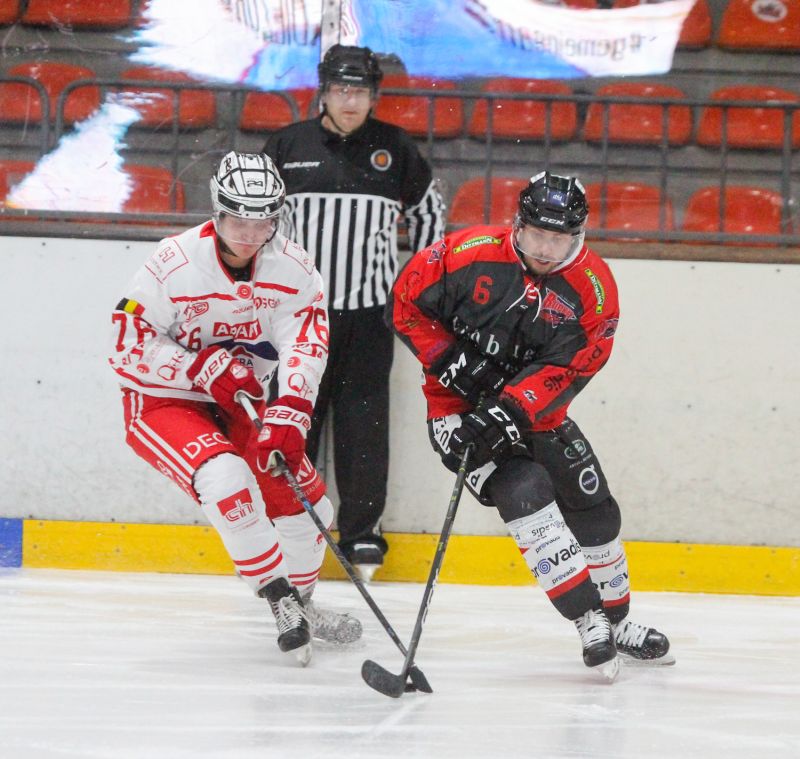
[(247, 186)]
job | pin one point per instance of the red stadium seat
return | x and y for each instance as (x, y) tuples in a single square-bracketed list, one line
[(635, 123), (749, 127), (525, 119), (196, 108), (21, 104), (628, 206), (9, 11), (266, 111), (79, 14), (468, 203), (154, 190), (760, 25), (11, 174), (696, 29), (411, 111), (748, 210)]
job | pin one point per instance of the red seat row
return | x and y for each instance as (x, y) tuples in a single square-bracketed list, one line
[(153, 189), (78, 14), (629, 206), (631, 123), (20, 103)]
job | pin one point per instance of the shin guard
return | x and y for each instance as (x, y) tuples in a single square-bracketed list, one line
[(556, 560), (608, 567), (231, 500)]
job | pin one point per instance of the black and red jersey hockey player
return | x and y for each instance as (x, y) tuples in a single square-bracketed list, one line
[(219, 309), (510, 324)]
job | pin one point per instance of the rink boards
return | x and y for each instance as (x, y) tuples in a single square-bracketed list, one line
[(472, 559)]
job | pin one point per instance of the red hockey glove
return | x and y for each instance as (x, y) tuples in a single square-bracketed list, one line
[(466, 371), (216, 372), (286, 424), (489, 429)]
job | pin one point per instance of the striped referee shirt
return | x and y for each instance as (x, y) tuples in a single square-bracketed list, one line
[(344, 198)]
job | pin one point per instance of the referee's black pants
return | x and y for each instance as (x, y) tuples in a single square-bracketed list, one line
[(356, 386)]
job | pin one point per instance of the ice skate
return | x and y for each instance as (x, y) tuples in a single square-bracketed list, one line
[(294, 633), (366, 558), (599, 650), (331, 626), (642, 645)]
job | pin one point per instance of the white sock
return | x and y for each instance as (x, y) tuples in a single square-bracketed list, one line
[(303, 544)]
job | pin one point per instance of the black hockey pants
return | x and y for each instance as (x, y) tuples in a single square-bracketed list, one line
[(356, 386)]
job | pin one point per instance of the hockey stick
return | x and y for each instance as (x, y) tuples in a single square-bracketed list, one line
[(374, 674), (418, 679)]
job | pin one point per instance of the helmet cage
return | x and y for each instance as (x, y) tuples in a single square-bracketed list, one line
[(553, 202)]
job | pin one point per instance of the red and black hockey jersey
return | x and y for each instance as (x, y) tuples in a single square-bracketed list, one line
[(550, 334)]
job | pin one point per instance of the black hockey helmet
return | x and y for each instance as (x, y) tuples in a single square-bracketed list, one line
[(347, 64), (555, 203)]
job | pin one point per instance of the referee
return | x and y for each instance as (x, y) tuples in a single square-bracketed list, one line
[(349, 178)]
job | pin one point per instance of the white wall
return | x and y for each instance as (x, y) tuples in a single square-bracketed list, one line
[(695, 417)]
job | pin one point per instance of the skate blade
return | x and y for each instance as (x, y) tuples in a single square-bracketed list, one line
[(365, 571), (608, 670), (662, 661), (303, 654)]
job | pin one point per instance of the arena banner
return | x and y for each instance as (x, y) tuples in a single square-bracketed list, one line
[(275, 44)]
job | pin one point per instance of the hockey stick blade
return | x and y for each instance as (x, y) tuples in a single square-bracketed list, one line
[(382, 680), (418, 680)]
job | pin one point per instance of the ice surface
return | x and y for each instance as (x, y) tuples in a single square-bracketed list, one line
[(96, 664)]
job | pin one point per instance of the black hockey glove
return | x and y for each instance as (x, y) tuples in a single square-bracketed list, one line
[(466, 371), (489, 429)]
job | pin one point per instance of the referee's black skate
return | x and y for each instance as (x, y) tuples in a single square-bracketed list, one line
[(365, 557), (642, 645), (294, 632), (599, 649)]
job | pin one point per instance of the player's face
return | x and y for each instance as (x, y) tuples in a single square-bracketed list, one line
[(245, 237), (347, 106), (543, 250)]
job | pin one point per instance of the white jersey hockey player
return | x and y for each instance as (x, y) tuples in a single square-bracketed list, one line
[(219, 309)]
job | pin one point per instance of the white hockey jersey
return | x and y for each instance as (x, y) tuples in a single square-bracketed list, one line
[(184, 299)]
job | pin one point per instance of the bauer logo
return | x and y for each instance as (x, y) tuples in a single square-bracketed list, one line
[(237, 507)]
